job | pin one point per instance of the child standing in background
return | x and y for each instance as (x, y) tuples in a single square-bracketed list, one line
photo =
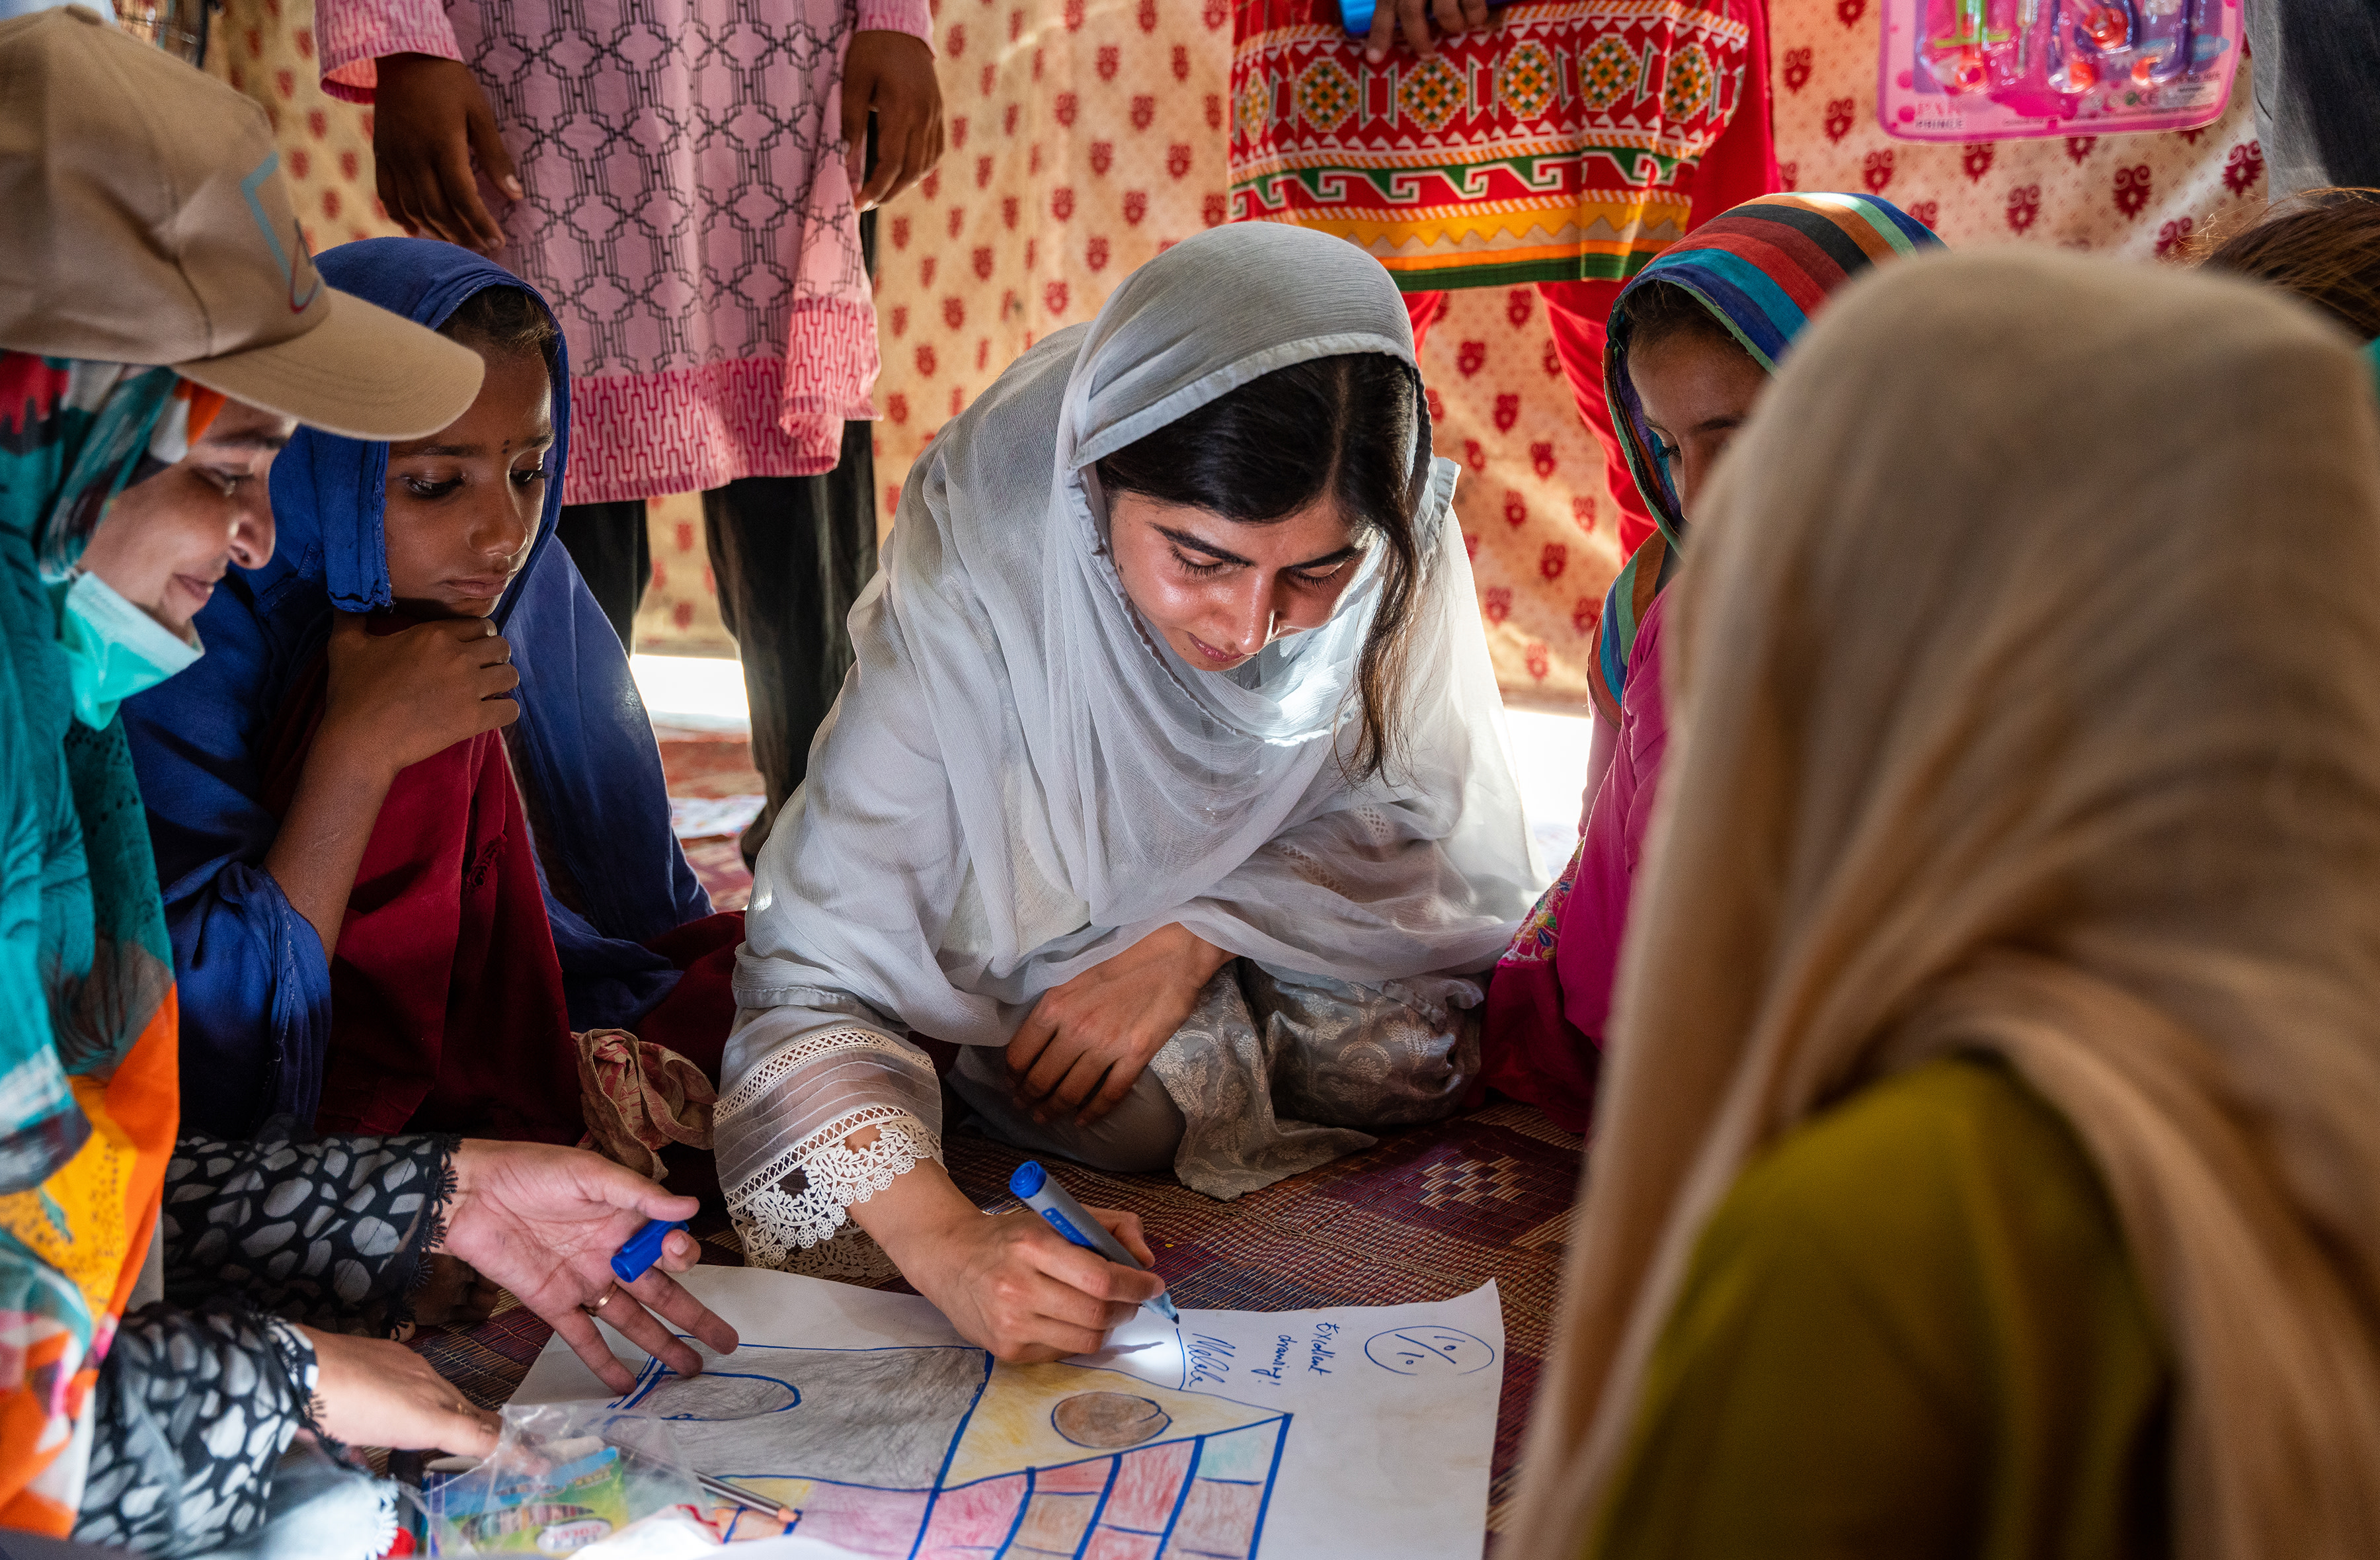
[(682, 180)]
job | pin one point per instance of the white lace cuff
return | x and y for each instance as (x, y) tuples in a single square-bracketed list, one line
[(783, 1159), (804, 1195)]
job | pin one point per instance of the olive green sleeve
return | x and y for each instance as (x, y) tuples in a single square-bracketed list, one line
[(1783, 1417), (1911, 1329)]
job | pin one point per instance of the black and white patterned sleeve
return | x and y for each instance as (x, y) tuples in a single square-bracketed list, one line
[(191, 1412), (336, 1233)]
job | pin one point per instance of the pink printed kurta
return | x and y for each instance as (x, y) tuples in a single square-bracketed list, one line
[(688, 216)]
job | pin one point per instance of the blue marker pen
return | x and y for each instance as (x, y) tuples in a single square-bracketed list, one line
[(1035, 1187), (643, 1249), (1355, 16)]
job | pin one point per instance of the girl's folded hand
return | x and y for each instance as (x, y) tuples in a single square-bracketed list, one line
[(403, 697)]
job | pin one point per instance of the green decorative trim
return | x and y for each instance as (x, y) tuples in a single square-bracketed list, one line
[(1630, 162), (1579, 268)]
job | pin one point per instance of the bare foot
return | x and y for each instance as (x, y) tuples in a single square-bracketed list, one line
[(454, 1295)]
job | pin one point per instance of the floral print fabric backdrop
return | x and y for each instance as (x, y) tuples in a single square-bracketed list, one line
[(1084, 137)]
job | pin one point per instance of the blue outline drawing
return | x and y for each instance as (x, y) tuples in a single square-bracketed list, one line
[(936, 1452), (1427, 1351)]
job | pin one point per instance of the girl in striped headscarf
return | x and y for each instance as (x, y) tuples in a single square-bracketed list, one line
[(1692, 342)]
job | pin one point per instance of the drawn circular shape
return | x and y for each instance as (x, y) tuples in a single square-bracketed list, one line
[(1108, 1421), (719, 1394), (1430, 92), (1524, 82), (1326, 95), (1686, 90), (1604, 71), (1430, 1351)]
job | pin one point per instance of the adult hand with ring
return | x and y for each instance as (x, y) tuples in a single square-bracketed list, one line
[(544, 1222)]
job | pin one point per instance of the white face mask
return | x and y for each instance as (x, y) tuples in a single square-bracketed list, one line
[(114, 649)]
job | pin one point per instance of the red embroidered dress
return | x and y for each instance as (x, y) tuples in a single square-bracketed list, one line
[(1545, 147)]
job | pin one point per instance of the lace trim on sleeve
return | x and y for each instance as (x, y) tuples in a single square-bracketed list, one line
[(791, 1058), (804, 1194), (800, 1196)]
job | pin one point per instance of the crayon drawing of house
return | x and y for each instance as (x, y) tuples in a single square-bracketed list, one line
[(938, 1453)]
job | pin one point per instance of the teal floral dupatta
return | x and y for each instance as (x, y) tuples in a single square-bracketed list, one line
[(87, 1097)]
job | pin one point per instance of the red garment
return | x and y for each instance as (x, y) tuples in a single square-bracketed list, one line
[(1578, 312), (1550, 997), (693, 1021), (1739, 164), (448, 1012)]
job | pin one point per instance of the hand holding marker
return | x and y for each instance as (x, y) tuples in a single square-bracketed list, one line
[(1036, 1190), (643, 1249), (630, 1263)]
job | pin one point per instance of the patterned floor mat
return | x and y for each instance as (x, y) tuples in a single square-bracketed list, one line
[(710, 765)]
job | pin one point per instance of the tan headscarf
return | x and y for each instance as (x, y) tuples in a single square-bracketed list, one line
[(2027, 693)]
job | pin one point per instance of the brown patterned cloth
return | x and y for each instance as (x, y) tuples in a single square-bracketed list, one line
[(639, 1098), (1425, 1215)]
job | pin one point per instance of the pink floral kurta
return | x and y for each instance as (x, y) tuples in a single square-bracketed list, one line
[(688, 216)]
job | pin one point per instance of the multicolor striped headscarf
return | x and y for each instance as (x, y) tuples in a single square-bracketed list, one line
[(1762, 269)]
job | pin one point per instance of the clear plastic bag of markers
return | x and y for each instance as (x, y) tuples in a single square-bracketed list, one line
[(564, 1478), (1967, 71)]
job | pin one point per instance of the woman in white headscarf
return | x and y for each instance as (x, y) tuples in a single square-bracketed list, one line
[(1988, 1157), (1171, 785)]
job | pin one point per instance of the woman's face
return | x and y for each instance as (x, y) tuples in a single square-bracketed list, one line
[(464, 504), (165, 540), (1696, 391), (1220, 591)]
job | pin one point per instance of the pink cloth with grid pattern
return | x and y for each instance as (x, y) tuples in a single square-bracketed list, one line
[(688, 216)]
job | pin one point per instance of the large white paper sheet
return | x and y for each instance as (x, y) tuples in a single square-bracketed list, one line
[(1358, 1432)]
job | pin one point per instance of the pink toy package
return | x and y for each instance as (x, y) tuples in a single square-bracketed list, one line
[(2004, 69)]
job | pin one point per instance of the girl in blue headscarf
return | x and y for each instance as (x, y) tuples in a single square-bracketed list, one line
[(409, 813)]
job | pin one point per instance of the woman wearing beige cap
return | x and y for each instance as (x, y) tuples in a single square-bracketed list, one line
[(152, 1382)]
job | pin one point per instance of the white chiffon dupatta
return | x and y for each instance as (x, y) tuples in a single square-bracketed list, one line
[(1020, 779)]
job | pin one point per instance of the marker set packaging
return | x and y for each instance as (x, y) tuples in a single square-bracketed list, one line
[(564, 1476), (1967, 71)]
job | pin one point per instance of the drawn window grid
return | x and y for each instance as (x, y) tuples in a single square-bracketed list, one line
[(1214, 1487)]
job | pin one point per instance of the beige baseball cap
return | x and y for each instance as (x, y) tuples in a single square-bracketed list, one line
[(147, 223)]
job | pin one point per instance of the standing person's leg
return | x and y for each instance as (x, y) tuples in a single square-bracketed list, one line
[(1578, 312), (609, 543), (790, 555), (1740, 164), (1423, 308)]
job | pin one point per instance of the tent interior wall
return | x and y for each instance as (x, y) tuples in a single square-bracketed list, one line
[(1083, 137)]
